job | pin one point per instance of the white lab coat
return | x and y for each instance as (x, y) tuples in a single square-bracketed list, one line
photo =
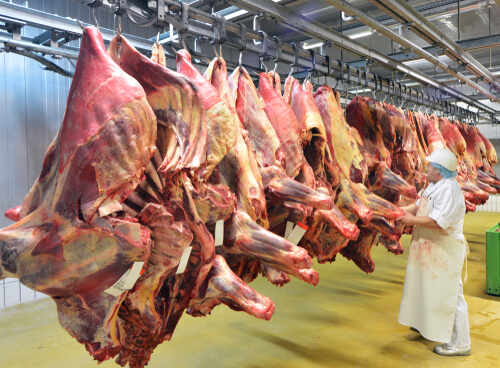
[(433, 273)]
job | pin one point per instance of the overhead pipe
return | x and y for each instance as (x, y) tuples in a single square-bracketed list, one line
[(313, 29), (369, 21), (204, 26), (427, 27)]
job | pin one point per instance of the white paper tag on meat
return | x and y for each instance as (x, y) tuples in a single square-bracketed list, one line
[(219, 232), (184, 260), (289, 228), (297, 233), (127, 281)]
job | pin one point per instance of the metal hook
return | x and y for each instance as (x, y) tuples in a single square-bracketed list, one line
[(295, 57), (184, 41), (158, 37), (265, 45), (81, 26), (95, 18), (262, 62), (313, 57)]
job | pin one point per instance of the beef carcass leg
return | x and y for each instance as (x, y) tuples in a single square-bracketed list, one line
[(224, 286), (243, 236), (359, 251), (281, 187), (285, 125)]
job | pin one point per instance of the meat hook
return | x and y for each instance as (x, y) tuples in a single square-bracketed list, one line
[(158, 37), (295, 57), (81, 26), (278, 54), (183, 42), (262, 62), (336, 84), (95, 18)]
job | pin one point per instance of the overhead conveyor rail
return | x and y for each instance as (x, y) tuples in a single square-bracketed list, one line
[(406, 14), (189, 20)]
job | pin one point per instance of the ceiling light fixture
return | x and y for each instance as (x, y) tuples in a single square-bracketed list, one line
[(360, 34), (312, 45)]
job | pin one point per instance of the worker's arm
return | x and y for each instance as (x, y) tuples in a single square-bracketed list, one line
[(424, 221), (412, 209)]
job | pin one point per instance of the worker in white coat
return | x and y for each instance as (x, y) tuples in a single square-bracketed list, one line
[(433, 302)]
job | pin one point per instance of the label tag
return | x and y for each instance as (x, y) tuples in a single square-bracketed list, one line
[(297, 233), (184, 260), (127, 281), (219, 232), (289, 228)]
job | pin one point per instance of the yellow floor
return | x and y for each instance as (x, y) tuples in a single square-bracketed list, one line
[(348, 320)]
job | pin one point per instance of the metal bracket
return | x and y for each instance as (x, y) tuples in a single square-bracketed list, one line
[(13, 26), (54, 39), (329, 65), (121, 7), (391, 82), (265, 45), (243, 44), (95, 4), (313, 61), (184, 18), (278, 48), (348, 79), (219, 30), (295, 55)]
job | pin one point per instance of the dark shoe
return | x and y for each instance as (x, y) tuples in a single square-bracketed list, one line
[(448, 350)]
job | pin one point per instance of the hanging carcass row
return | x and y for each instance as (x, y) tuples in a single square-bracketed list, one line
[(65, 244), (151, 166)]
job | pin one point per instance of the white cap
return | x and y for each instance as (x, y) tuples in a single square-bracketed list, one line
[(443, 157)]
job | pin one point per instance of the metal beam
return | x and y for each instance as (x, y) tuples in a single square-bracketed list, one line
[(317, 31), (428, 31), (203, 25), (10, 43), (50, 22), (469, 45), (369, 21)]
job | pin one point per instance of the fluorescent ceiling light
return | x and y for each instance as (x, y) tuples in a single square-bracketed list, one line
[(360, 34), (421, 61), (236, 14), (312, 45)]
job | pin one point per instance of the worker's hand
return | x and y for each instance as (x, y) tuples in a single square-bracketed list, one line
[(407, 219)]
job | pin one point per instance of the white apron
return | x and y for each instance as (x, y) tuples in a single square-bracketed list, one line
[(432, 280)]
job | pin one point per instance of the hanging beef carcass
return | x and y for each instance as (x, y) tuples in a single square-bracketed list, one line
[(475, 191), (491, 153), (236, 169), (429, 127), (285, 125), (357, 203), (275, 81), (176, 208), (478, 156), (250, 242), (64, 245), (312, 129), (359, 116)]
